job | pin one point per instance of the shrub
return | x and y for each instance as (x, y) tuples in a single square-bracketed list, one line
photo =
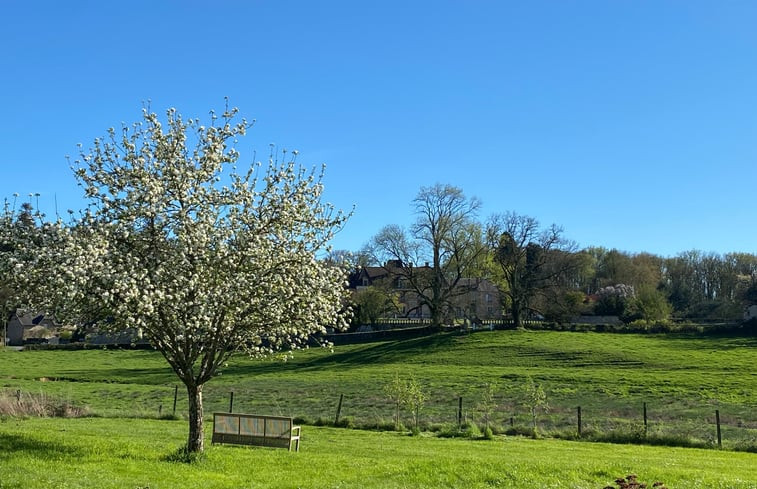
[(521, 431), (450, 430), (471, 430), (346, 422), (321, 421), (298, 420)]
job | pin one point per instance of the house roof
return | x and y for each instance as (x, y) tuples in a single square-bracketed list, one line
[(396, 268), (29, 319)]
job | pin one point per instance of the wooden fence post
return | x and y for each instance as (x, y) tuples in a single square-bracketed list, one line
[(717, 422), (579, 421), (338, 409), (231, 402), (460, 412), (175, 396), (645, 419)]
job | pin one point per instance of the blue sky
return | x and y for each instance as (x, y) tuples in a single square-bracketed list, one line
[(631, 124)]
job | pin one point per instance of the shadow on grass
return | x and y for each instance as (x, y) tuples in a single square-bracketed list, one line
[(713, 341), (357, 354), (361, 354), (184, 456), (144, 376), (42, 449)]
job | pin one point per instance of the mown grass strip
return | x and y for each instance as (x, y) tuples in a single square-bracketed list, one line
[(129, 453)]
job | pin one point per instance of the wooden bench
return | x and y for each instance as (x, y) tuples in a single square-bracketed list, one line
[(253, 429)]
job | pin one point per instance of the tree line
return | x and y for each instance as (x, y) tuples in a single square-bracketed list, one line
[(540, 273)]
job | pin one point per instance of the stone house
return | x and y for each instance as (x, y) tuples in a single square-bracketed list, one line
[(25, 326), (475, 299)]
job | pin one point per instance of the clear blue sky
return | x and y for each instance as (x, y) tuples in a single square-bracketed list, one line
[(632, 124)]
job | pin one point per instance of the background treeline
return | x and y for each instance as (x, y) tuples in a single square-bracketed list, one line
[(539, 273), (695, 284)]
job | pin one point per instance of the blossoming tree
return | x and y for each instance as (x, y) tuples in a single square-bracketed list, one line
[(203, 260)]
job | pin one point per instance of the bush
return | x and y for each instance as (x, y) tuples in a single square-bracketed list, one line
[(346, 422), (471, 430), (451, 430), (299, 420), (321, 421), (521, 431)]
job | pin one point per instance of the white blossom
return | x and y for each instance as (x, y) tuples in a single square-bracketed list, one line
[(205, 265)]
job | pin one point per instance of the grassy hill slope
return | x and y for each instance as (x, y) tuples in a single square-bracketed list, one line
[(682, 378)]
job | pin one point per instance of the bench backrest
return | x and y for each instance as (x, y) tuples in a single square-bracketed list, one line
[(252, 425), (253, 429)]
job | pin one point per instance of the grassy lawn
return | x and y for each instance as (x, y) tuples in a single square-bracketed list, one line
[(130, 453), (682, 378)]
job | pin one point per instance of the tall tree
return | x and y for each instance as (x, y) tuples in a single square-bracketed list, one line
[(532, 262), (445, 238), (205, 261)]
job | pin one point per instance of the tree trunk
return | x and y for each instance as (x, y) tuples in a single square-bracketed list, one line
[(517, 319), (196, 440), (436, 318)]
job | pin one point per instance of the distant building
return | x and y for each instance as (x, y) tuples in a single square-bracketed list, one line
[(25, 326), (750, 312), (475, 298)]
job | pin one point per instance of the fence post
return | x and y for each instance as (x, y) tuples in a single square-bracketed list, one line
[(338, 409), (645, 419), (717, 422), (579, 421), (231, 402), (460, 412), (512, 422), (175, 396)]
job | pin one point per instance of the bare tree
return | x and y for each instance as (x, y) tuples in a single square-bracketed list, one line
[(436, 252)]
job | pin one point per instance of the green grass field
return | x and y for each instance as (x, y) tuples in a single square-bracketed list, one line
[(130, 453), (682, 378)]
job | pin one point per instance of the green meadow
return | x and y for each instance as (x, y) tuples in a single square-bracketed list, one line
[(131, 453), (683, 379)]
